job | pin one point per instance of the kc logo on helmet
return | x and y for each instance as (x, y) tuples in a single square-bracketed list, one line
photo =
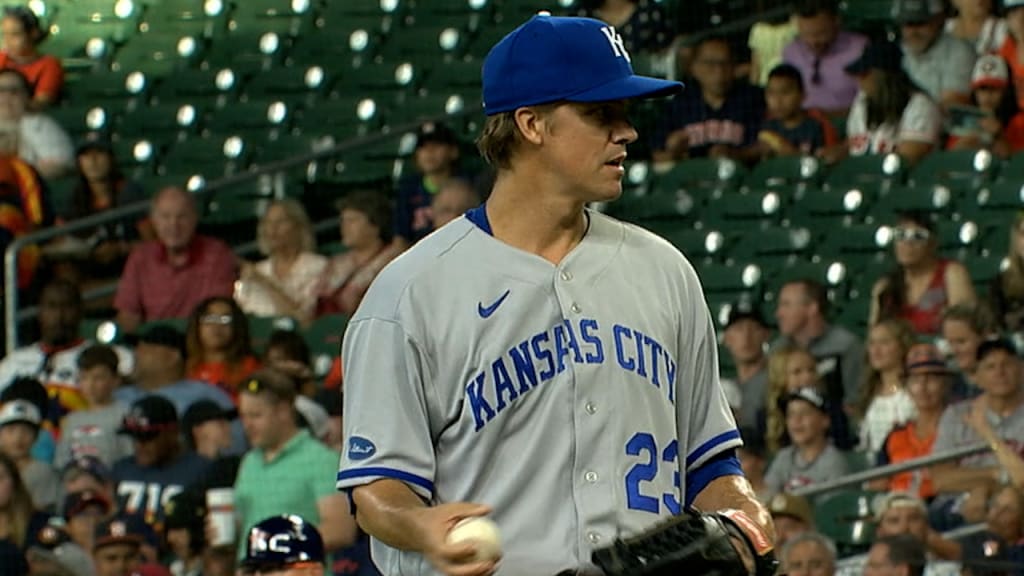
[(615, 40)]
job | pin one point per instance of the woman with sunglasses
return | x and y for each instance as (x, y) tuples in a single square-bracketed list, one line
[(923, 284), (22, 33), (218, 345)]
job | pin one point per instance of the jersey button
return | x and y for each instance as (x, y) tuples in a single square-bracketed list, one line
[(591, 408), (575, 308), (566, 275), (594, 537), (591, 476)]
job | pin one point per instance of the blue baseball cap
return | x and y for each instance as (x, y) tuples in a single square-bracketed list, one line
[(553, 58)]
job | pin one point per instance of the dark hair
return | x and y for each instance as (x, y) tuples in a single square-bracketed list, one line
[(291, 343), (713, 39), (812, 8), (905, 549), (893, 297), (240, 346), (894, 89), (69, 287), (20, 508), (98, 355), (377, 208), (28, 20), (81, 196), (788, 72)]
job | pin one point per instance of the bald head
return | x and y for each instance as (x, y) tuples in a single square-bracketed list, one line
[(174, 218), (452, 200)]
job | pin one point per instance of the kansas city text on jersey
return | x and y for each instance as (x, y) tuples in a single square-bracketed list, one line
[(537, 359)]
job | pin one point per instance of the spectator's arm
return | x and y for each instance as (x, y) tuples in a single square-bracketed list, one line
[(128, 299), (48, 85), (912, 152), (337, 524), (1009, 461), (951, 477), (283, 302), (959, 288)]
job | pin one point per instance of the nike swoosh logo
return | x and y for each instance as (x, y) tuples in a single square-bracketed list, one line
[(486, 311)]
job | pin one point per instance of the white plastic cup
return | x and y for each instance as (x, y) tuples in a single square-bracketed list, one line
[(220, 509)]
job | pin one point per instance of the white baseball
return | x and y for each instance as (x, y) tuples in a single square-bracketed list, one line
[(482, 533)]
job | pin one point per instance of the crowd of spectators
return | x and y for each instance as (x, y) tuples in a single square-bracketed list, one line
[(109, 452)]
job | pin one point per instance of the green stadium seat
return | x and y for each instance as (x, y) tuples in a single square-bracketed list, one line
[(159, 54), (784, 172), (248, 52), (846, 517), (203, 156), (694, 244), (293, 82), (1013, 169), (922, 198), (1005, 196), (455, 74), (872, 172), (324, 336), (702, 173), (162, 119), (231, 207), (729, 278), (238, 117), (753, 207), (99, 88), (261, 327), (828, 208), (180, 324), (961, 170), (72, 118), (183, 18), (270, 16), (201, 88), (428, 44), (346, 117), (775, 247)]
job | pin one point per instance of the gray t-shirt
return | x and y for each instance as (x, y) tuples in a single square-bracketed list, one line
[(43, 484), (754, 392), (93, 432), (945, 67), (954, 432), (789, 471)]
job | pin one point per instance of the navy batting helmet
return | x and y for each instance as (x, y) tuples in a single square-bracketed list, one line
[(282, 541)]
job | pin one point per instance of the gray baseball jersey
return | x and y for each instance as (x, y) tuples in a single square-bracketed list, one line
[(572, 399), (789, 471), (954, 432)]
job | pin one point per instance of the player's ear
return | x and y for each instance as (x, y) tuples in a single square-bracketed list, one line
[(531, 123)]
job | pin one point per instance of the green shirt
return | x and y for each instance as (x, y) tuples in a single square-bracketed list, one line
[(300, 474)]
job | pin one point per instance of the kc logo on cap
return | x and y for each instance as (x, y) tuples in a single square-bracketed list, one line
[(562, 59), (615, 39)]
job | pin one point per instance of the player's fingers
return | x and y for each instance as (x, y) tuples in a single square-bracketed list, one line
[(460, 510), (457, 553)]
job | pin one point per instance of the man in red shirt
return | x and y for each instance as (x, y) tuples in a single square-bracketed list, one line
[(168, 277)]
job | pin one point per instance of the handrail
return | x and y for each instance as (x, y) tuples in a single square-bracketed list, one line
[(136, 208), (889, 470)]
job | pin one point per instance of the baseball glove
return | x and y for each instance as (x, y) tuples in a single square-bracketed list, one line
[(690, 543)]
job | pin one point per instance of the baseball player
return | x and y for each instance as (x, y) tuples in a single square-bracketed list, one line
[(283, 546), (542, 364)]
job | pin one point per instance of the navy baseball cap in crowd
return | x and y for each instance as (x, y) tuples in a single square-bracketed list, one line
[(95, 141), (149, 416), (121, 529), (878, 55), (744, 310), (297, 543), (553, 58), (435, 132)]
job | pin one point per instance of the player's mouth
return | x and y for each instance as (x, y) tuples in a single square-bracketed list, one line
[(618, 163)]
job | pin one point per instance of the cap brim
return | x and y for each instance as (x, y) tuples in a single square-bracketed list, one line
[(629, 88), (989, 83)]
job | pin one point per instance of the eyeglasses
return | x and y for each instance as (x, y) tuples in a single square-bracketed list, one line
[(911, 235), (218, 319)]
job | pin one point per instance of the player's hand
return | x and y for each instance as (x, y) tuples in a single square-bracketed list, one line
[(434, 523)]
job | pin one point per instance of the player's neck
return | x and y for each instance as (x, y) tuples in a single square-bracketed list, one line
[(810, 450), (530, 217)]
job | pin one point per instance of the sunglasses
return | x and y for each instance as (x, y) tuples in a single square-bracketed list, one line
[(911, 235), (216, 319)]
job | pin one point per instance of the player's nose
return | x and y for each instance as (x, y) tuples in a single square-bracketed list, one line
[(624, 133)]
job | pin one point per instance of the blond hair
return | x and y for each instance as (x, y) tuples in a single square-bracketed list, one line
[(500, 136), (297, 214), (903, 332), (778, 373)]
